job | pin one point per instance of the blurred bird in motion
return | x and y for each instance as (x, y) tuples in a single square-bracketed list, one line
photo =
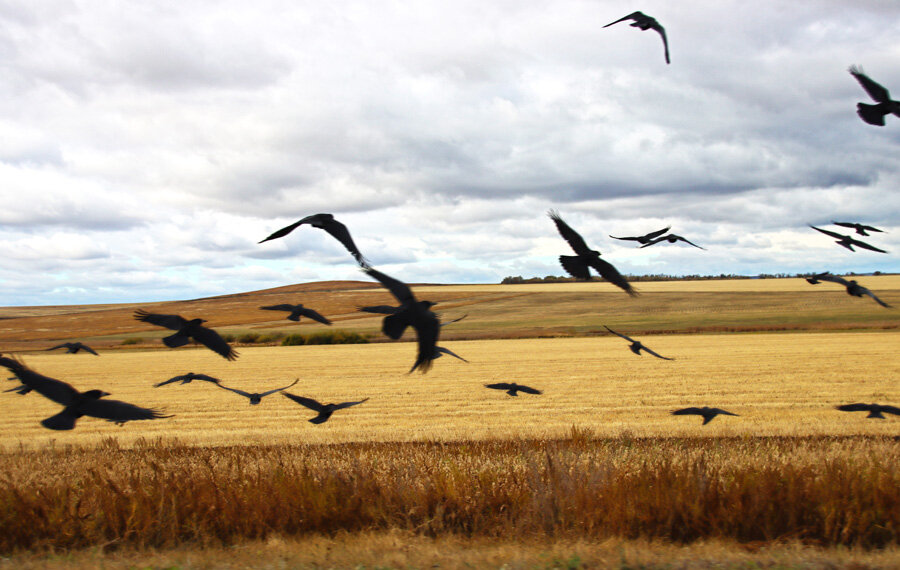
[(325, 222), (644, 22)]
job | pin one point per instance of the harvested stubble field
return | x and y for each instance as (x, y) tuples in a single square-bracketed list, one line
[(440, 459)]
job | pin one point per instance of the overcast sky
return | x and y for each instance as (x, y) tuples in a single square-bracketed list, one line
[(145, 148)]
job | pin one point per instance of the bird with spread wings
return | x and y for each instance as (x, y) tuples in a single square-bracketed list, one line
[(75, 404), (874, 114), (298, 311), (256, 397), (324, 410), (579, 265), (636, 345), (187, 330), (325, 222), (644, 22)]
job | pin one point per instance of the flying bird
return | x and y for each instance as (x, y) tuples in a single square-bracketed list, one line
[(848, 241), (671, 238), (75, 404), (853, 288), (324, 410), (74, 347), (297, 311), (636, 346), (187, 330), (874, 114), (646, 237), (256, 398), (512, 388), (579, 265), (707, 413), (325, 222), (411, 312), (861, 229), (187, 378), (440, 351), (875, 410), (645, 22)]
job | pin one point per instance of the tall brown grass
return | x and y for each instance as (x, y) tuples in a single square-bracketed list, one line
[(821, 490)]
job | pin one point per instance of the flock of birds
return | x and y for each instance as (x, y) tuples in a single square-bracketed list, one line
[(410, 312)]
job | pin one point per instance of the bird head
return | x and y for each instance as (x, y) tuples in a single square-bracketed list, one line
[(95, 394)]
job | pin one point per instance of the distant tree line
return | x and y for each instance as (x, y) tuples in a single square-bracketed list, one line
[(516, 279)]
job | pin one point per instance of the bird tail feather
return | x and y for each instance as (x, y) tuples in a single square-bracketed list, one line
[(394, 325), (872, 114), (65, 420), (575, 267), (176, 340)]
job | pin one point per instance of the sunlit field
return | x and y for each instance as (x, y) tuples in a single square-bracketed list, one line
[(779, 384)]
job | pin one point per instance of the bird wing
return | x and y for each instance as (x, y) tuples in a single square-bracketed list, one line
[(632, 238), (456, 320), (343, 405), (398, 289), (687, 411), (871, 294), (380, 309), (308, 402), (63, 345), (631, 16), (655, 354), (51, 388), (654, 25), (212, 340), (314, 315), (281, 307), (628, 338), (174, 322), (721, 411), (575, 240), (528, 389), (279, 389), (690, 242), (829, 233), (864, 245), (657, 233), (875, 91), (236, 391), (85, 347), (611, 274), (340, 232), (117, 411), (285, 230), (171, 380), (443, 350), (854, 408), (499, 386), (891, 410), (206, 378), (833, 279)]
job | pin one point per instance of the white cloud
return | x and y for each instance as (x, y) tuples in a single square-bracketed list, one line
[(174, 137)]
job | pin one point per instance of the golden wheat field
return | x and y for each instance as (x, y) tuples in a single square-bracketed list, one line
[(779, 384)]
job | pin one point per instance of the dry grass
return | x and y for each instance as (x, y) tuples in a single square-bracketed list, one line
[(826, 491), (780, 384), (406, 550)]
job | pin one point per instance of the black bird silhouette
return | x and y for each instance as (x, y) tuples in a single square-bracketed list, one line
[(187, 378), (874, 114), (671, 238), (325, 222), (187, 330), (853, 288), (256, 398), (325, 410), (636, 346), (390, 310), (73, 348), (848, 241), (297, 311), (512, 388), (579, 265), (645, 22), (861, 229), (875, 410), (411, 312), (707, 413), (75, 404), (646, 237)]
